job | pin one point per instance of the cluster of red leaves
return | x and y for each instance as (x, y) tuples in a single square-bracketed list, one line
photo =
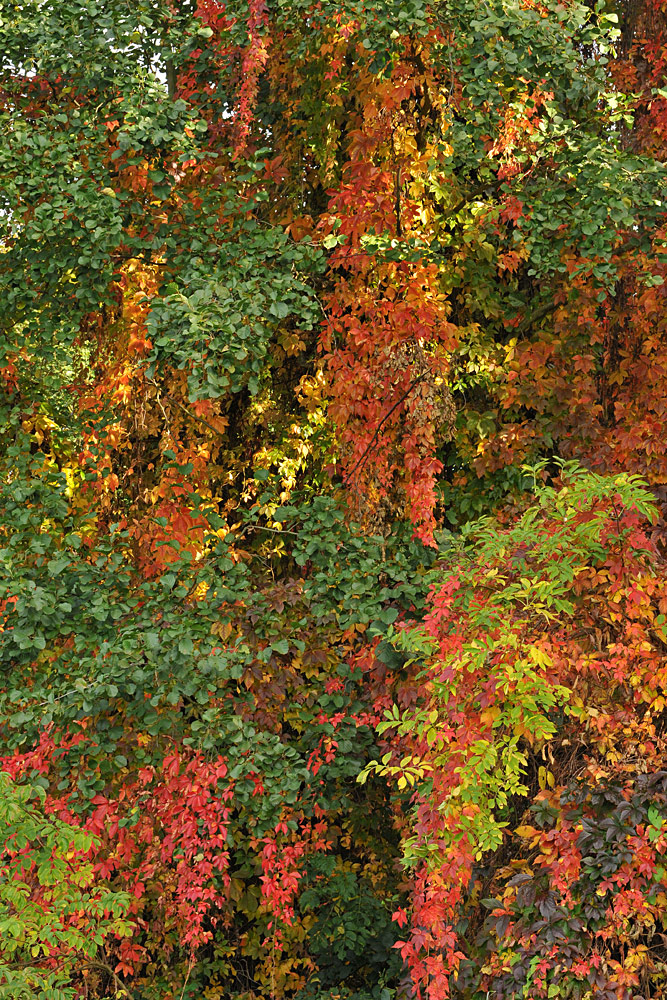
[(594, 381), (243, 63), (387, 337), (283, 857), (172, 859), (606, 654)]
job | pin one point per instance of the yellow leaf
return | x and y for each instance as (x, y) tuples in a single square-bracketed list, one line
[(526, 832), (489, 715)]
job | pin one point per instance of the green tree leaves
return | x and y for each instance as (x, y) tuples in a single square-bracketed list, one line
[(46, 902)]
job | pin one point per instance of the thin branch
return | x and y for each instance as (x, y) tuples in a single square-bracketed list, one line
[(536, 316), (109, 971), (265, 527), (190, 968), (171, 77), (262, 527), (188, 413), (367, 450), (397, 198)]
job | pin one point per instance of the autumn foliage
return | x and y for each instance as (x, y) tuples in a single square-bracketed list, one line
[(333, 486)]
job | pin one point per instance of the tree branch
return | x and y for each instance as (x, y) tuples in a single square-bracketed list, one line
[(536, 316), (184, 409), (367, 450), (109, 971)]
